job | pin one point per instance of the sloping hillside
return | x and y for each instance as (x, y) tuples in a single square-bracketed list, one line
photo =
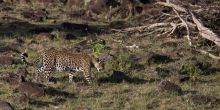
[(157, 54)]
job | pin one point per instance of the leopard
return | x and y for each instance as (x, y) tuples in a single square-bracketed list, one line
[(58, 60)]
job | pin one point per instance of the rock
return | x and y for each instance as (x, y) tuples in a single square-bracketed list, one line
[(203, 99), (59, 100), (31, 89), (5, 106), (68, 36), (5, 48), (22, 72), (169, 86), (98, 6), (22, 99), (183, 78), (119, 24), (6, 60), (29, 14), (10, 78), (35, 15), (158, 59)]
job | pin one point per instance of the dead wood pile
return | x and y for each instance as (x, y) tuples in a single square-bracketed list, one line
[(180, 17)]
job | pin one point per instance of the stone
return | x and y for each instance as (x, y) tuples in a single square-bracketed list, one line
[(22, 99), (169, 86), (6, 60), (31, 89), (10, 78), (5, 105), (203, 99), (154, 58), (59, 100), (183, 78), (68, 36), (22, 72)]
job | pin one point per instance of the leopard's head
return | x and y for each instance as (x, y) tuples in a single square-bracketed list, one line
[(99, 66)]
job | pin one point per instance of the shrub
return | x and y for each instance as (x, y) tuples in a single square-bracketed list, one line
[(195, 69), (97, 48)]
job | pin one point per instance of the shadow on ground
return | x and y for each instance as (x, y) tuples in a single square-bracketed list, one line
[(55, 92), (23, 28), (38, 103), (119, 77)]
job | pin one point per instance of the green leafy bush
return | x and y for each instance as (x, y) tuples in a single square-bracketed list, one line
[(195, 69), (120, 61), (97, 48)]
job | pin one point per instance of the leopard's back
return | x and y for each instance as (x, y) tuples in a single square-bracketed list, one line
[(66, 61), (72, 61)]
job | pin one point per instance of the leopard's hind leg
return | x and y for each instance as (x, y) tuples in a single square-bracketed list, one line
[(46, 73), (87, 76)]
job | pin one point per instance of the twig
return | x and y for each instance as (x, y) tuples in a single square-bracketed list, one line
[(174, 26), (140, 28), (157, 24), (187, 28), (209, 54)]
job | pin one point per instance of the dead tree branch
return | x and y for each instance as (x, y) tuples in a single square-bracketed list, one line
[(209, 54), (185, 24), (206, 32)]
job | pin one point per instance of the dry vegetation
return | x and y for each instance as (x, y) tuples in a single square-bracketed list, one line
[(158, 54)]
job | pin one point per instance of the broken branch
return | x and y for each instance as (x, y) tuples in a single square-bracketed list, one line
[(185, 24), (206, 32), (209, 54)]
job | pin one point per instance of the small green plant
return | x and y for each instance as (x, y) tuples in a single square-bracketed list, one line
[(194, 70), (97, 48), (120, 61)]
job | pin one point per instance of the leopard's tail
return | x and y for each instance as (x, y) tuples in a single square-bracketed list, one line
[(23, 56)]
